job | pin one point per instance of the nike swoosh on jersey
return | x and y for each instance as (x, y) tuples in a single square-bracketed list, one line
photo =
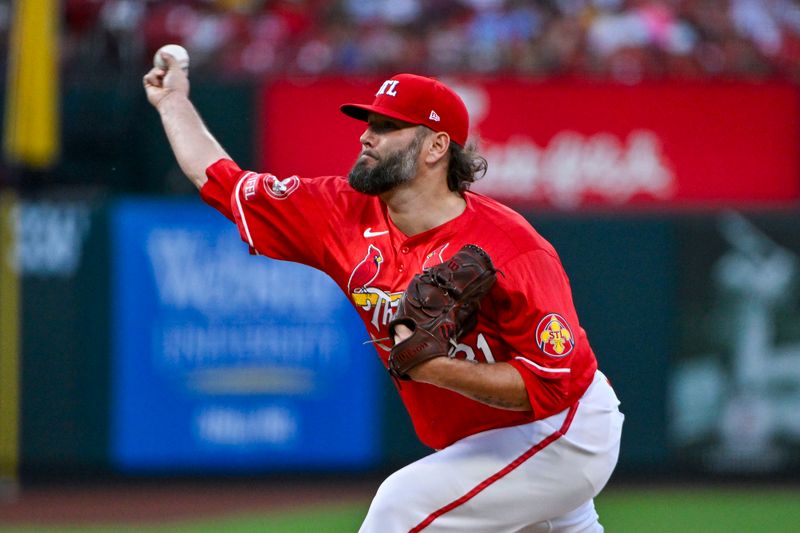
[(369, 233)]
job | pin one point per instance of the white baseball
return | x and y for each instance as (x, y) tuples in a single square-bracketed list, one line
[(175, 50)]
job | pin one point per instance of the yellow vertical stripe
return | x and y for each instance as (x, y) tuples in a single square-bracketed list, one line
[(31, 129), (9, 344)]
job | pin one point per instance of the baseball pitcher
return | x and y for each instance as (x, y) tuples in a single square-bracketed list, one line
[(467, 305)]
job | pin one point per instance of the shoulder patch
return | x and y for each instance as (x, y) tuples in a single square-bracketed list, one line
[(554, 336), (280, 189)]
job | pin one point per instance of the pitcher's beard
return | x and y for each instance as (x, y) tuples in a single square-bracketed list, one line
[(387, 173)]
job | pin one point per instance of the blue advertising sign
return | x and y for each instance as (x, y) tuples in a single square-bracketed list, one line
[(228, 361)]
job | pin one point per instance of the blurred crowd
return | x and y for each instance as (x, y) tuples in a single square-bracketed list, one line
[(623, 40)]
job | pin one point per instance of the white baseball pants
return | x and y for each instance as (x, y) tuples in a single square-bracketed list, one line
[(537, 477)]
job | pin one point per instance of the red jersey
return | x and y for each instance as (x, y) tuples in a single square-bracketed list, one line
[(527, 320)]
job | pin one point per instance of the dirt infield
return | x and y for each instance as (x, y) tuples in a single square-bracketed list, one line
[(159, 501)]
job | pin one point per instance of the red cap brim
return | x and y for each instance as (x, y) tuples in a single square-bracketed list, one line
[(361, 112)]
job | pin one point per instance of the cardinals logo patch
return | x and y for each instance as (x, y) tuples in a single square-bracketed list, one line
[(280, 189), (554, 336)]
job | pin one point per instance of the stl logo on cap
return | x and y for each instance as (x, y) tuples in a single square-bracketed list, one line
[(388, 87), (554, 336)]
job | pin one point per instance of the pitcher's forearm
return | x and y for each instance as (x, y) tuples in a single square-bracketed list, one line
[(193, 145), (498, 385)]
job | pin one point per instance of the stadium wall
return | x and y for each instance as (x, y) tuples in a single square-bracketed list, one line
[(689, 291)]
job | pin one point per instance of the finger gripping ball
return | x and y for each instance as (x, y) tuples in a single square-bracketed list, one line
[(175, 50)]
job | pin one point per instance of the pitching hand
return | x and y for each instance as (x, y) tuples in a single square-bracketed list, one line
[(159, 83)]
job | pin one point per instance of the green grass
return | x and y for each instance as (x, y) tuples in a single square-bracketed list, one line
[(640, 510), (694, 510), (322, 519)]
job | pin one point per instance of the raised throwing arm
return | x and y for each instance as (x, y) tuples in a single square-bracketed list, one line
[(193, 145)]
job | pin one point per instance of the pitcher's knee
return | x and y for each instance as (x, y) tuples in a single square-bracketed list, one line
[(584, 519)]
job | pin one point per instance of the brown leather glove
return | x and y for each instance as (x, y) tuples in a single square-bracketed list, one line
[(439, 307)]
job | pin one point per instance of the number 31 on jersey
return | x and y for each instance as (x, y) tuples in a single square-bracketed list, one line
[(481, 344)]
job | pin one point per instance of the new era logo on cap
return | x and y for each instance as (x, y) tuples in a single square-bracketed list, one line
[(417, 100)]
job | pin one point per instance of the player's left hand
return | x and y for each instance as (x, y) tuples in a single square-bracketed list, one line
[(417, 373), (438, 307), (401, 333)]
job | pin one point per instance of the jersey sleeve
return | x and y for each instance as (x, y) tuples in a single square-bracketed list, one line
[(549, 349), (288, 219)]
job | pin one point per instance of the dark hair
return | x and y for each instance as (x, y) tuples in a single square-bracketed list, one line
[(465, 167)]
